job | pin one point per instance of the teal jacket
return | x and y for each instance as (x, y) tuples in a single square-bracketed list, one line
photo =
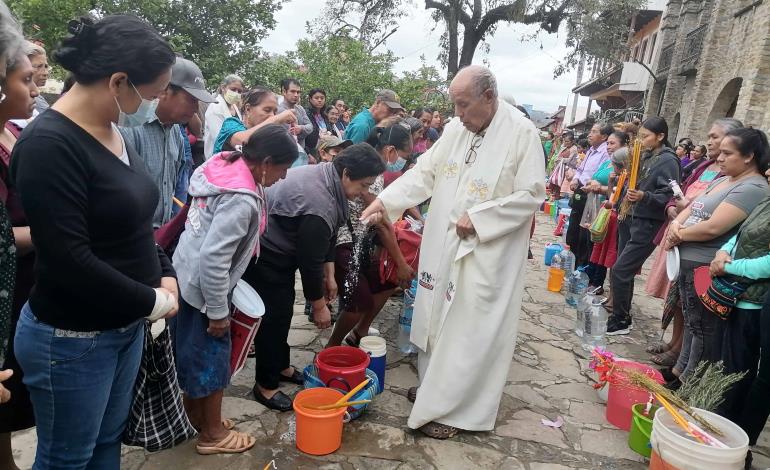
[(360, 127)]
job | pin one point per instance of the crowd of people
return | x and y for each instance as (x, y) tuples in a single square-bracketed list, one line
[(261, 188), (136, 143), (699, 208)]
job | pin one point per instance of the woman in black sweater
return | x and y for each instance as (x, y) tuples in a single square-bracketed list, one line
[(89, 203), (306, 210)]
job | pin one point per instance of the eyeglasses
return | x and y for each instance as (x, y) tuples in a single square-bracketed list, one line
[(470, 157)]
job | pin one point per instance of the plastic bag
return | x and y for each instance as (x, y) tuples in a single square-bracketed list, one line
[(599, 226), (593, 204)]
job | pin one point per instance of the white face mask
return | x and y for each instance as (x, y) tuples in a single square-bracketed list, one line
[(143, 114), (232, 97)]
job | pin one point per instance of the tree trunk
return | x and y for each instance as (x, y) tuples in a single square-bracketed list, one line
[(471, 41), (451, 21)]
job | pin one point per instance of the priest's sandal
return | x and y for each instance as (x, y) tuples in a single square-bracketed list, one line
[(439, 431), (234, 443), (411, 394)]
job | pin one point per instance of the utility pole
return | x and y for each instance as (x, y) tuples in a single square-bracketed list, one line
[(581, 66)]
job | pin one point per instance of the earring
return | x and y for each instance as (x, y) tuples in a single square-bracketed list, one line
[(263, 177)]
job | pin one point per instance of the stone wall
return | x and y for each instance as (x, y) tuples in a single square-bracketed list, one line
[(735, 51)]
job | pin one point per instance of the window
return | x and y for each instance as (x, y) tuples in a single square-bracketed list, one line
[(634, 52), (652, 47), (643, 51)]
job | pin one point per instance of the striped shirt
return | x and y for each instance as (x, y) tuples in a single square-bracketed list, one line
[(162, 151)]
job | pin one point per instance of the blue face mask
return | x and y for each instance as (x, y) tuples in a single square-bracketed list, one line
[(143, 114), (398, 165)]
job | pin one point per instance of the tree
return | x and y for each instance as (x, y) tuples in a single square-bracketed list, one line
[(369, 21), (468, 23), (221, 39)]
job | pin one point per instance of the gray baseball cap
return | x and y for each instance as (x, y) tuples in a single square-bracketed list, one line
[(186, 75), (390, 98)]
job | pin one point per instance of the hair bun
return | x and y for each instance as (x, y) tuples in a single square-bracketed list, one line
[(74, 47)]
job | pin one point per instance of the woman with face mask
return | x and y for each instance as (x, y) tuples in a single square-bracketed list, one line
[(363, 294), (98, 273), (258, 109), (228, 105)]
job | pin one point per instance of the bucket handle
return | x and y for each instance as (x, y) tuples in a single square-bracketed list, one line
[(641, 429), (341, 380)]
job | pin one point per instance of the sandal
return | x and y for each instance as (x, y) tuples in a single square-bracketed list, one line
[(234, 443), (227, 423), (411, 394), (439, 431), (666, 359), (658, 348)]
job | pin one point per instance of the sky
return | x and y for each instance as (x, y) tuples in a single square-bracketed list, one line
[(524, 70)]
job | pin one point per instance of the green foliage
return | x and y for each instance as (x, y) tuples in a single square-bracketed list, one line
[(221, 37), (344, 67), (706, 387)]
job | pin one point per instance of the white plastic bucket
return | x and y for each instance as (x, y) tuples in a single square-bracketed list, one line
[(245, 317), (673, 449), (377, 348)]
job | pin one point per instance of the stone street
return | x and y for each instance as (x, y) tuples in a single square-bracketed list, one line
[(548, 378)]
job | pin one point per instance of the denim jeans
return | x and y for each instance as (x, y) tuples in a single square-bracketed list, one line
[(81, 386), (703, 330)]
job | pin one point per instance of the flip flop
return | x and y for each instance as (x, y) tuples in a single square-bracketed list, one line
[(353, 339), (234, 443), (666, 359), (658, 348), (439, 431)]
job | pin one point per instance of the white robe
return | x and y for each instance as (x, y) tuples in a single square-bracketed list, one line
[(469, 296)]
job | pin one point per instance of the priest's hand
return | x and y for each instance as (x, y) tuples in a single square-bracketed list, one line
[(465, 227), (374, 213)]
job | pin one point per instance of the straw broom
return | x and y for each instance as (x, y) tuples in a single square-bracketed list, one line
[(642, 380), (636, 154)]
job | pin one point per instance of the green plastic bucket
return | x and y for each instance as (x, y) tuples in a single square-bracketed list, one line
[(641, 429)]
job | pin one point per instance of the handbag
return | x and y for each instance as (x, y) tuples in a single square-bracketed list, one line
[(409, 243), (157, 420), (599, 225), (591, 210), (718, 295), (167, 235)]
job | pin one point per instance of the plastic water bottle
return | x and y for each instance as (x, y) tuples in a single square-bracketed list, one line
[(582, 306), (577, 286), (405, 320), (595, 325), (567, 260)]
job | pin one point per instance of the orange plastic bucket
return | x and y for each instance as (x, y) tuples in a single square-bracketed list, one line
[(318, 432)]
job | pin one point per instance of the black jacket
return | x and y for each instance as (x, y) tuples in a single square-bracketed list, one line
[(657, 169), (311, 141)]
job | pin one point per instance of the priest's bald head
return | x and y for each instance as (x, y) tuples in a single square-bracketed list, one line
[(474, 94)]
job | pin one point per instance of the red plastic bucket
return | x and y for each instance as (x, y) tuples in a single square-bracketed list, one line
[(622, 396), (245, 316), (342, 367)]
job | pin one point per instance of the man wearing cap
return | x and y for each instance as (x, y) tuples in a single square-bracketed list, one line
[(160, 142), (329, 146), (385, 105)]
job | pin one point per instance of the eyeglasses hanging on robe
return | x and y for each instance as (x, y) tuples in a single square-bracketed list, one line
[(470, 157)]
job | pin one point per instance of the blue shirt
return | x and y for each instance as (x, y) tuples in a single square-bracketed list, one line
[(231, 126), (752, 268), (183, 180), (162, 150), (360, 127)]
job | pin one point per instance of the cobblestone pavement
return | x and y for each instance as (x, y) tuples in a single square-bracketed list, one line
[(548, 378)]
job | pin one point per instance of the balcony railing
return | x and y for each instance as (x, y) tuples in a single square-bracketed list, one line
[(692, 47), (666, 57), (611, 116)]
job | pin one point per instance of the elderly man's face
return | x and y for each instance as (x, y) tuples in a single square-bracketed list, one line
[(475, 111)]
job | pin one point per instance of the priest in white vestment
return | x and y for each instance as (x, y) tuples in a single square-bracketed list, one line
[(486, 177)]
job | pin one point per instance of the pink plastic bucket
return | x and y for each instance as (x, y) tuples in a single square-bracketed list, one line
[(623, 396)]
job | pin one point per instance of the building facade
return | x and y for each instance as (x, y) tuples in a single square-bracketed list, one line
[(619, 87), (714, 63)]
